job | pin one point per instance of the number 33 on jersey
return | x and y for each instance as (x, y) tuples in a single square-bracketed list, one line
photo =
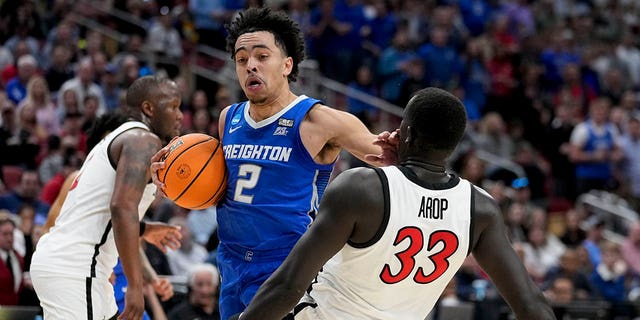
[(424, 240)]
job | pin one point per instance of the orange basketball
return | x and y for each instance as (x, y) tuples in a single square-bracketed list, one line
[(194, 173)]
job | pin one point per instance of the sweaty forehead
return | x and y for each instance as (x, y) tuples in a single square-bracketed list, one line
[(249, 40)]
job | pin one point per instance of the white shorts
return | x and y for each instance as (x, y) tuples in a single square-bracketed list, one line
[(64, 297)]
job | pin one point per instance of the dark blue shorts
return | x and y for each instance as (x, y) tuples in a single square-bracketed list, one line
[(242, 272)]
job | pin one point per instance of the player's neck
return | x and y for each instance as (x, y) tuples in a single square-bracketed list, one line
[(263, 110), (431, 167)]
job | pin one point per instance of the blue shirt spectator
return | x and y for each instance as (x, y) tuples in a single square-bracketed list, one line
[(442, 62)]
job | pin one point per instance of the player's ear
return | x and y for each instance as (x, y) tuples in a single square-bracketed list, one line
[(288, 66), (147, 108)]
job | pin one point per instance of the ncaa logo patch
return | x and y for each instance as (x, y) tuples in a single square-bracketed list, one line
[(280, 131), (235, 119)]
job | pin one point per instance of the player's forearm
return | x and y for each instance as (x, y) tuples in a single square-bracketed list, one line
[(537, 309), (272, 302), (125, 231)]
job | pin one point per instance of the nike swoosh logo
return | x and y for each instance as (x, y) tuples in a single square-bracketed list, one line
[(231, 130)]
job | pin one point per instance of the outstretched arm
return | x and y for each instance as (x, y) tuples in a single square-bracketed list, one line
[(496, 256), (327, 130), (342, 203)]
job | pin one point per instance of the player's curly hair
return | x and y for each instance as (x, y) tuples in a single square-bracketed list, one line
[(286, 32)]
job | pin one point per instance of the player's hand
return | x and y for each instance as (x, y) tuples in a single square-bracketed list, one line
[(162, 235), (133, 305), (389, 142), (163, 288), (157, 163)]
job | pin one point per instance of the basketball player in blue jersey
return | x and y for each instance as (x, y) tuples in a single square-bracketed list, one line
[(387, 241), (280, 149)]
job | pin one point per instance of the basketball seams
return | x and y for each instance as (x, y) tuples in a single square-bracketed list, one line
[(216, 196), (200, 171), (164, 177)]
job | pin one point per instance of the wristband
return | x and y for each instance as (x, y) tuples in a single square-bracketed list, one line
[(143, 226)]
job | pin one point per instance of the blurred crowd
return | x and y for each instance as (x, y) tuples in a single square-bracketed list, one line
[(550, 86)]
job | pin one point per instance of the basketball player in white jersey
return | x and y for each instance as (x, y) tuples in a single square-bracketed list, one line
[(99, 219), (387, 241)]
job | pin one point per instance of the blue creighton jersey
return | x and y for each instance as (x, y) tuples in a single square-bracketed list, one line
[(274, 185)]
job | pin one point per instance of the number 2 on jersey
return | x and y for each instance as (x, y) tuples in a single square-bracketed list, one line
[(253, 173), (416, 244)]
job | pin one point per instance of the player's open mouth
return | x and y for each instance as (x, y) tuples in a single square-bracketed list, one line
[(253, 83)]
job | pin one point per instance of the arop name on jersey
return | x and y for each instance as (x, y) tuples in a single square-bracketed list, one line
[(257, 152), (433, 208)]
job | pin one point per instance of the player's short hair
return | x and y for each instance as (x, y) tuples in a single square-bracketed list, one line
[(438, 117), (286, 32), (143, 89)]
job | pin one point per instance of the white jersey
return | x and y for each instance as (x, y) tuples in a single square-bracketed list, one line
[(400, 274), (81, 242)]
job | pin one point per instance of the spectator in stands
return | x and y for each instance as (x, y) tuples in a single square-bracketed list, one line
[(335, 34), (630, 249), (541, 252), (556, 55), (380, 29), (72, 132), (51, 189), (27, 191), (630, 146), (441, 61), (202, 297), (414, 80), (573, 235), (515, 222), (16, 88), (39, 98), (164, 41), (594, 148), (22, 36), (110, 87), (89, 112), (30, 132), (569, 268), (52, 162), (363, 83), (83, 84), (209, 18), (393, 65), (608, 277), (65, 34), (68, 104), (202, 224), (493, 137), (561, 291), (12, 263), (189, 253), (555, 147), (594, 240)]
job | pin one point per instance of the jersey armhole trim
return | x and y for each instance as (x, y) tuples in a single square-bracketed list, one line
[(386, 214), (472, 213), (111, 160)]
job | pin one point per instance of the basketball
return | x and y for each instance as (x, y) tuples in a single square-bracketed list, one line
[(194, 173)]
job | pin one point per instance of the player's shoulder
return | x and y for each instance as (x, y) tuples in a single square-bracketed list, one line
[(138, 137), (359, 180), (485, 207)]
